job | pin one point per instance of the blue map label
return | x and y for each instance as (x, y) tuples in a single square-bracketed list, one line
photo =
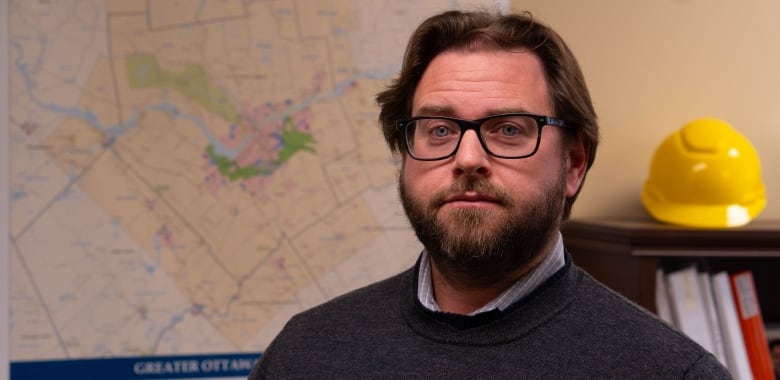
[(151, 367)]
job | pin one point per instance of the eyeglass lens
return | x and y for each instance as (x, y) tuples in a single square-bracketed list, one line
[(509, 136)]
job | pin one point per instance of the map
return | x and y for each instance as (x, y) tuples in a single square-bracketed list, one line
[(185, 175)]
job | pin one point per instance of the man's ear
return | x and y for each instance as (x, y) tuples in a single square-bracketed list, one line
[(577, 156)]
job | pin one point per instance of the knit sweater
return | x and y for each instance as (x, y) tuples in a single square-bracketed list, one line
[(571, 327)]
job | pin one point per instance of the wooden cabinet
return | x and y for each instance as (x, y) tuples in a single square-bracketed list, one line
[(624, 255)]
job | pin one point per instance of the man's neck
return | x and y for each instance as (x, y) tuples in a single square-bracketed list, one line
[(458, 295)]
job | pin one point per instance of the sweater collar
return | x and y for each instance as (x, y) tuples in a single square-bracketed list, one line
[(493, 327)]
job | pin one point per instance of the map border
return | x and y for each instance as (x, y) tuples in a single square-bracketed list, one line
[(5, 186)]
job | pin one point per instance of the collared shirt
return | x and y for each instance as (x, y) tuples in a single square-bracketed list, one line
[(552, 263)]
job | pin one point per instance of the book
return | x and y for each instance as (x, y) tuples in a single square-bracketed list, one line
[(716, 333), (752, 325), (688, 311), (662, 297), (733, 344), (772, 330)]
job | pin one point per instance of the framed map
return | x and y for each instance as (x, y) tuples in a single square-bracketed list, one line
[(183, 176)]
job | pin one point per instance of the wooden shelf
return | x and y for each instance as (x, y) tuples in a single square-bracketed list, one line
[(625, 254)]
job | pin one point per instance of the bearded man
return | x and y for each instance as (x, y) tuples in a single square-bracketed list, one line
[(496, 132)]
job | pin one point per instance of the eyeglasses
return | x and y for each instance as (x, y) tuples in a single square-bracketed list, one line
[(510, 135)]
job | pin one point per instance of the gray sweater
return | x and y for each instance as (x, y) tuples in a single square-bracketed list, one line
[(571, 327)]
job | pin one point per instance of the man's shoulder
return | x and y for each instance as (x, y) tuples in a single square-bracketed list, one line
[(370, 299), (624, 319), (333, 333), (635, 333), (599, 303)]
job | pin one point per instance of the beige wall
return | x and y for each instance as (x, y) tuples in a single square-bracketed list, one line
[(652, 66)]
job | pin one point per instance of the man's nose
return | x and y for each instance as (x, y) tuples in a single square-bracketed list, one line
[(471, 157)]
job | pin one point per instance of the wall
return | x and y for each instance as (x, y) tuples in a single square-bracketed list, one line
[(652, 66)]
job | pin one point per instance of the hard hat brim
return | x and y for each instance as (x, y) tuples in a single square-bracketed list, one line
[(706, 216)]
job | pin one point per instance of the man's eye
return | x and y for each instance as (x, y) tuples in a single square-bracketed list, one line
[(441, 131), (509, 130)]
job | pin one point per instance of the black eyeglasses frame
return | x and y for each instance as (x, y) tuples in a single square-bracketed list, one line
[(465, 125)]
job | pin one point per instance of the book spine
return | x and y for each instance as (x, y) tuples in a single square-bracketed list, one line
[(734, 344), (708, 299), (752, 325), (688, 312)]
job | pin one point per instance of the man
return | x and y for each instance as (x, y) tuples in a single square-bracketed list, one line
[(496, 131)]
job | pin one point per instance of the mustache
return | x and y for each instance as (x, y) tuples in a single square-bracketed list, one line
[(471, 184)]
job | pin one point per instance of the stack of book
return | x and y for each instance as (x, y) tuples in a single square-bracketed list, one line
[(721, 312)]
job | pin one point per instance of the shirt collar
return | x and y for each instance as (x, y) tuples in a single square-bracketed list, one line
[(552, 263)]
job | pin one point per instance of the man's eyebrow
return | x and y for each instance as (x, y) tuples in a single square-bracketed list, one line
[(435, 110), (497, 111)]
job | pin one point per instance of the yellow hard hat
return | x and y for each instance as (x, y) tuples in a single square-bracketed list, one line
[(705, 174)]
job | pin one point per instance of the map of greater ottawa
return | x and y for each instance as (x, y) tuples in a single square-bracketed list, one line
[(186, 175)]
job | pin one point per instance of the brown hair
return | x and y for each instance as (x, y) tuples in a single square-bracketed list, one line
[(457, 30)]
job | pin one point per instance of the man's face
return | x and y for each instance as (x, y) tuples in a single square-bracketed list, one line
[(473, 208)]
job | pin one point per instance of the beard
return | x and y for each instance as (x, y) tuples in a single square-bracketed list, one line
[(477, 247)]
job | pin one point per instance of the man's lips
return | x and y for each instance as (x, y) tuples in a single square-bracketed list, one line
[(472, 198)]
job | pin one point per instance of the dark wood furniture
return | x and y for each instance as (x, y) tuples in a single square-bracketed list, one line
[(625, 254)]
